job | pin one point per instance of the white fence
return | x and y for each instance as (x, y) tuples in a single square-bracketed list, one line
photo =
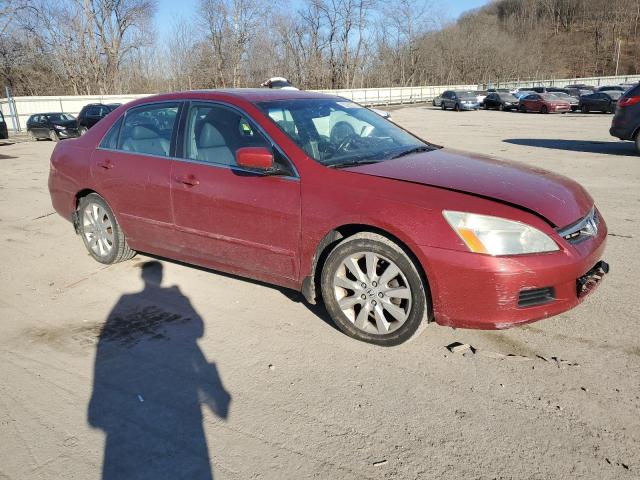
[(27, 106)]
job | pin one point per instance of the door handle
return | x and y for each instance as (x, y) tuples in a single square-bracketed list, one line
[(188, 180), (106, 164)]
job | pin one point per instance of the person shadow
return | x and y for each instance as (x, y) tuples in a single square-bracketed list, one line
[(150, 382)]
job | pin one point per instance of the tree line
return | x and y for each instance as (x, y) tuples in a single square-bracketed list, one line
[(51, 47)]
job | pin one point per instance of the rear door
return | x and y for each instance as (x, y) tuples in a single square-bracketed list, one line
[(132, 171), (227, 215)]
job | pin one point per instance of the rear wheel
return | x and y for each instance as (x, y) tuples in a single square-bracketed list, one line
[(501, 107), (585, 109), (373, 291), (100, 231)]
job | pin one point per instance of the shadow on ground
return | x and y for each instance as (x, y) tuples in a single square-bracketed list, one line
[(151, 382), (608, 148)]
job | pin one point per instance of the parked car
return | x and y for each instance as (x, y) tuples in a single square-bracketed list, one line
[(54, 126), (543, 103), (278, 83), (626, 122), (581, 86), (600, 102), (283, 186), (500, 101), (92, 114), (459, 100), (4, 132), (437, 101), (609, 88), (573, 101), (499, 90)]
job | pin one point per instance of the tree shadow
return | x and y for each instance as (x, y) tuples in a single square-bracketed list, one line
[(151, 380), (586, 146)]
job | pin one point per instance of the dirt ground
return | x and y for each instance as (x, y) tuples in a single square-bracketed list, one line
[(216, 374)]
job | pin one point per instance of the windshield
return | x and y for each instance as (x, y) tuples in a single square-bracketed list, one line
[(335, 132), (59, 117)]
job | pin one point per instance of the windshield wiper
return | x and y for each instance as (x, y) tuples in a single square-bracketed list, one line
[(350, 163), (421, 148)]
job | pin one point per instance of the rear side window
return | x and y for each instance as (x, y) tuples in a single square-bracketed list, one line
[(148, 129), (110, 140)]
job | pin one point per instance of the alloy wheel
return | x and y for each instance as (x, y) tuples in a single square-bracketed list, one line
[(372, 292), (97, 227)]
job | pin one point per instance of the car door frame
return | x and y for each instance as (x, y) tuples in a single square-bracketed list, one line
[(227, 264)]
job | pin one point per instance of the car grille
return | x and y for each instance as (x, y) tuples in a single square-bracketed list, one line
[(536, 296), (583, 229)]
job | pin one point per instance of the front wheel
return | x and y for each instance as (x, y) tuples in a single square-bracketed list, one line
[(501, 107), (544, 110), (82, 131), (584, 109), (53, 136), (638, 143), (100, 231), (373, 290), (443, 106)]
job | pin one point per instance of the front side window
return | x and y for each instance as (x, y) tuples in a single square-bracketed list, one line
[(334, 131), (214, 133), (149, 129)]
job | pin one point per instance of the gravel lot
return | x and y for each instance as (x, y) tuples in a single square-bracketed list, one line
[(275, 390)]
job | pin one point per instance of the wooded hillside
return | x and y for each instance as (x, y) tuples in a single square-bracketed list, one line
[(106, 46)]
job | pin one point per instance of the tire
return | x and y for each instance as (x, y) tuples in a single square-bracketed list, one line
[(485, 106), (544, 110), (371, 305), (501, 107), (522, 109), (456, 107), (111, 245), (32, 136), (82, 131), (53, 136), (637, 142), (584, 109), (443, 106)]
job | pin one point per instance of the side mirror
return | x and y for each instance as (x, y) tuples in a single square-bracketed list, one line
[(256, 158)]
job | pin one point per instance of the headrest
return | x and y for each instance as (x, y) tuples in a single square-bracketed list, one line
[(210, 137), (142, 133)]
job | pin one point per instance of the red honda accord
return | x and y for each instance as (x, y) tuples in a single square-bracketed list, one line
[(316, 193)]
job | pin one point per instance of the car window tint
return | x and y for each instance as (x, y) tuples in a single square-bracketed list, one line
[(148, 129), (110, 140), (214, 133)]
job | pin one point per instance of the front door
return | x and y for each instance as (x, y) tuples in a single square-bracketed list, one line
[(228, 216), (132, 171)]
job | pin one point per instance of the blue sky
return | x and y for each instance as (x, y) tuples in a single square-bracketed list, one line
[(169, 10)]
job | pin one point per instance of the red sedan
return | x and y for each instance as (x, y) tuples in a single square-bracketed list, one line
[(318, 194), (544, 103)]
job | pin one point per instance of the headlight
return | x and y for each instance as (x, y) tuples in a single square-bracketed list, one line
[(498, 236), (58, 127)]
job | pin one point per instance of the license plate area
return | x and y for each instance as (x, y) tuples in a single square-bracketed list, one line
[(590, 280)]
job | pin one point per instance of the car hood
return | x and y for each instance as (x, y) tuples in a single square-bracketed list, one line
[(558, 199), (67, 123)]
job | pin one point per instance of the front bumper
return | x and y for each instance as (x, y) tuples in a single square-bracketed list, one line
[(67, 133), (469, 106), (471, 290)]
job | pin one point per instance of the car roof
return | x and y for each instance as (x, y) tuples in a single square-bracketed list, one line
[(252, 95)]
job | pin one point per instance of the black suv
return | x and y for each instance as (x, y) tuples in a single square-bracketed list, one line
[(92, 114), (55, 126), (3, 128), (626, 122)]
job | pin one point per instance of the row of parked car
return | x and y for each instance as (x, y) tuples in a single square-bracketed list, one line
[(536, 99), (59, 125)]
